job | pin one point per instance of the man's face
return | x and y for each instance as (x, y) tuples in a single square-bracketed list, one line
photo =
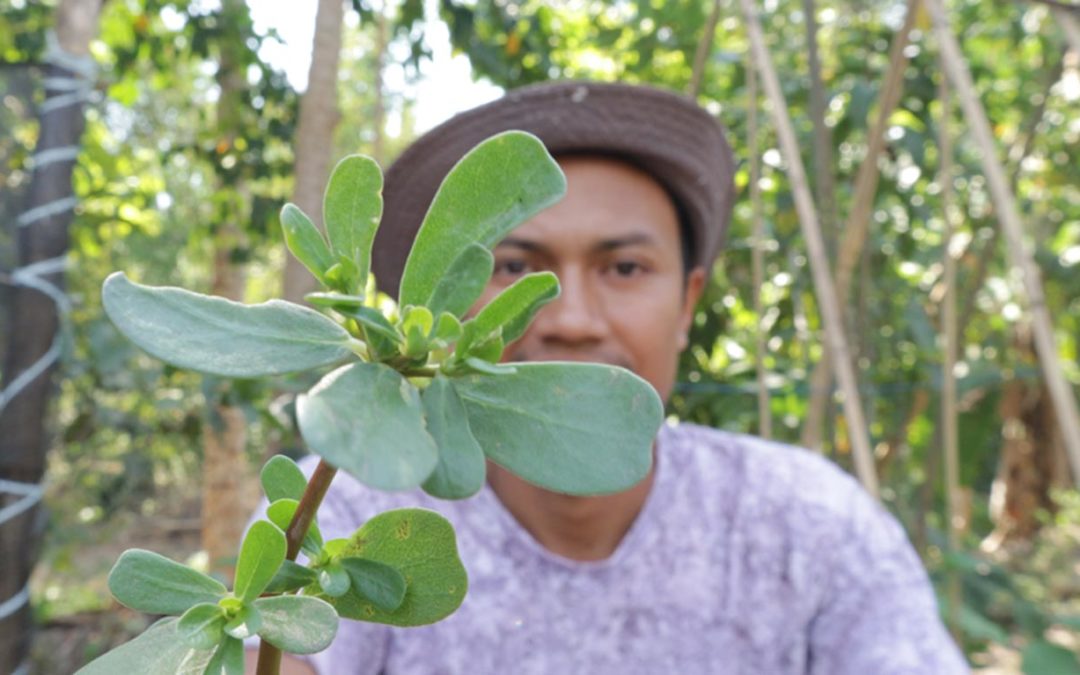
[(614, 243)]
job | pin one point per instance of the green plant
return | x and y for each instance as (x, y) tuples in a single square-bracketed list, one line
[(421, 401)]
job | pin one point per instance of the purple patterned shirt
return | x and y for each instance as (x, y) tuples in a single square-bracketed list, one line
[(748, 557)]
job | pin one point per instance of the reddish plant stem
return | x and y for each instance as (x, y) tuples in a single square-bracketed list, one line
[(270, 656)]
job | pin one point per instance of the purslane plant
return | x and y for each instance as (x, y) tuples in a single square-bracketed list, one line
[(416, 399)]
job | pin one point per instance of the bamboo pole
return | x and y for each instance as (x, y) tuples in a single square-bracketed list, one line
[(858, 221), (835, 338), (948, 368), (1009, 218), (703, 49), (758, 252)]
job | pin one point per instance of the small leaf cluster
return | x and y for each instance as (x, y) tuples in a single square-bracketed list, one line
[(422, 398), (401, 567), (208, 623)]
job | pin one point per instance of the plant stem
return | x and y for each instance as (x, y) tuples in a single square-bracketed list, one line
[(270, 656)]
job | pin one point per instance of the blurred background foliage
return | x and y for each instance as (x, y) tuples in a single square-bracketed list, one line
[(157, 176)]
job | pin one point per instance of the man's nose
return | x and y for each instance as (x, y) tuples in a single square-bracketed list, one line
[(577, 315)]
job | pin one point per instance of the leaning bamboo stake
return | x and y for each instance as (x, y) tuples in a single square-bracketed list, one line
[(835, 338), (703, 49), (857, 226), (1009, 218), (949, 335), (758, 252)]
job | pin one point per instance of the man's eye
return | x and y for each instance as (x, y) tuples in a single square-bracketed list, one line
[(514, 267), (627, 268)]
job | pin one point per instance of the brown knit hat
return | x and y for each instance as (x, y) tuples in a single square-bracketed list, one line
[(663, 133)]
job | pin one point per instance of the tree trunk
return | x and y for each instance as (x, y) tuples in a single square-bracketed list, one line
[(1033, 460), (227, 494), (32, 349), (314, 140)]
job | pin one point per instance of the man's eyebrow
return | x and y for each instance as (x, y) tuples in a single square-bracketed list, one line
[(523, 244), (634, 239)]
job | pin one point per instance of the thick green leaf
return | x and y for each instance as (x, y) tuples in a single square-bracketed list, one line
[(245, 624), (291, 576), (374, 323), (219, 336), (381, 584), (421, 546), (228, 659), (367, 419), (281, 513), (578, 428), (487, 367), (151, 583), (297, 624), (282, 479), (460, 472), (447, 328), (352, 207), (498, 185), (160, 649), (305, 241), (1045, 658), (202, 626), (261, 553), (459, 288), (513, 308), (335, 300), (334, 580)]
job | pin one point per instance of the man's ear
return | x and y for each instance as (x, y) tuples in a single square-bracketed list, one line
[(695, 286)]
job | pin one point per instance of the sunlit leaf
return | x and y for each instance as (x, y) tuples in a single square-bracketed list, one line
[(498, 185), (352, 207), (511, 310), (296, 623), (261, 554), (305, 241), (421, 546), (281, 513), (282, 479)]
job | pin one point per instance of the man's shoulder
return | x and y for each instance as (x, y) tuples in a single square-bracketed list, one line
[(749, 482), (772, 470)]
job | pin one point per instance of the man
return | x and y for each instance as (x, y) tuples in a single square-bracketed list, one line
[(734, 555)]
